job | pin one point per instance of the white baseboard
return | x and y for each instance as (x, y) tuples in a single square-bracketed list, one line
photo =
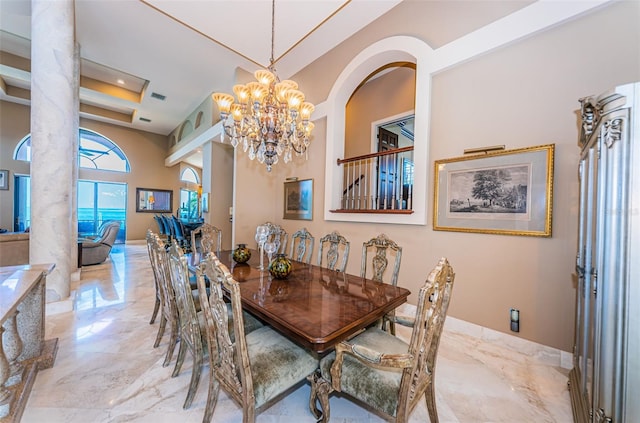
[(542, 353)]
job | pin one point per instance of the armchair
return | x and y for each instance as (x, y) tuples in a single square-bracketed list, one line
[(381, 370), (96, 250)]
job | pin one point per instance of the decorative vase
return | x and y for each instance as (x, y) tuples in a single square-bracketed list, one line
[(241, 254), (280, 267)]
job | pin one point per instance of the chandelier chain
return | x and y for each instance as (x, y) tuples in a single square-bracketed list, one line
[(273, 32)]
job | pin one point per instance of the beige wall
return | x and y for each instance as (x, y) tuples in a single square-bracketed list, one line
[(14, 118), (520, 95), (146, 153), (388, 95)]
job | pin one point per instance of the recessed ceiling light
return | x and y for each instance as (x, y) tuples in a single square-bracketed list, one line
[(121, 81)]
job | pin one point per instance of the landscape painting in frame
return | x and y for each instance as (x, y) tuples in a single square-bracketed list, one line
[(507, 192), (298, 199)]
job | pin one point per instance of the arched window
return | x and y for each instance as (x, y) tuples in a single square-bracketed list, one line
[(189, 175), (95, 152)]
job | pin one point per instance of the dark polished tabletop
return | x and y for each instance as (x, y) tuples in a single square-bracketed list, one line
[(314, 306)]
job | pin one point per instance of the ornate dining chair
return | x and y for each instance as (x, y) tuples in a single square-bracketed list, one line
[(277, 234), (254, 368), (302, 244), (206, 239), (377, 251), (337, 246), (150, 250), (192, 330), (169, 310), (384, 372)]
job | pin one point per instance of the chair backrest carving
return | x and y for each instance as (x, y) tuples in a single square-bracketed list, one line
[(151, 246), (379, 249), (160, 263), (179, 271), (302, 244), (337, 246), (433, 303), (168, 308), (277, 234), (208, 238)]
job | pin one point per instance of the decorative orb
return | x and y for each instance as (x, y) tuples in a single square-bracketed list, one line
[(280, 267), (241, 254)]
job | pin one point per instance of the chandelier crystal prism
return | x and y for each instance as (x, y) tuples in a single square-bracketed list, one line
[(268, 117)]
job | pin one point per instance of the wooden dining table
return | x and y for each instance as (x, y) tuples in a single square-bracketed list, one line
[(315, 307)]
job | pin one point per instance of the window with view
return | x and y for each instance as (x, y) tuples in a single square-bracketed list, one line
[(97, 201)]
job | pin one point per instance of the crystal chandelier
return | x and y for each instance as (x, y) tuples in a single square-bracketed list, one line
[(270, 117)]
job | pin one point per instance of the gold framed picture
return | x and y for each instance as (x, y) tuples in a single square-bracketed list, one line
[(507, 192)]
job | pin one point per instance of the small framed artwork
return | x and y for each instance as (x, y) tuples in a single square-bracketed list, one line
[(151, 200), (507, 192), (298, 199), (4, 179)]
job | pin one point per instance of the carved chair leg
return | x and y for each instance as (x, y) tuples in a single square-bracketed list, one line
[(195, 379), (173, 341), (180, 359), (161, 328), (430, 396), (212, 397), (320, 390), (156, 307)]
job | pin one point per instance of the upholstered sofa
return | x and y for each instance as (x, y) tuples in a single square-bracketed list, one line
[(14, 248), (95, 250)]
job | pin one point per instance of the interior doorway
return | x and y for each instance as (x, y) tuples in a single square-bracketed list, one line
[(394, 173), (222, 188), (387, 170)]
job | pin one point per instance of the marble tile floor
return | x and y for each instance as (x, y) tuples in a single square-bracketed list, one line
[(108, 371)]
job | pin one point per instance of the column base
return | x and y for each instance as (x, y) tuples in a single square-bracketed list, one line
[(21, 391), (63, 306)]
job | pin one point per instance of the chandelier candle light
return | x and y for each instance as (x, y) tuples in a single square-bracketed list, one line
[(269, 117)]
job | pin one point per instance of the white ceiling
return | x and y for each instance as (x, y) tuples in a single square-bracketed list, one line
[(185, 49)]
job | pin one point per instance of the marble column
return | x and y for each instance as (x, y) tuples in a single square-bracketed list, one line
[(54, 141)]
